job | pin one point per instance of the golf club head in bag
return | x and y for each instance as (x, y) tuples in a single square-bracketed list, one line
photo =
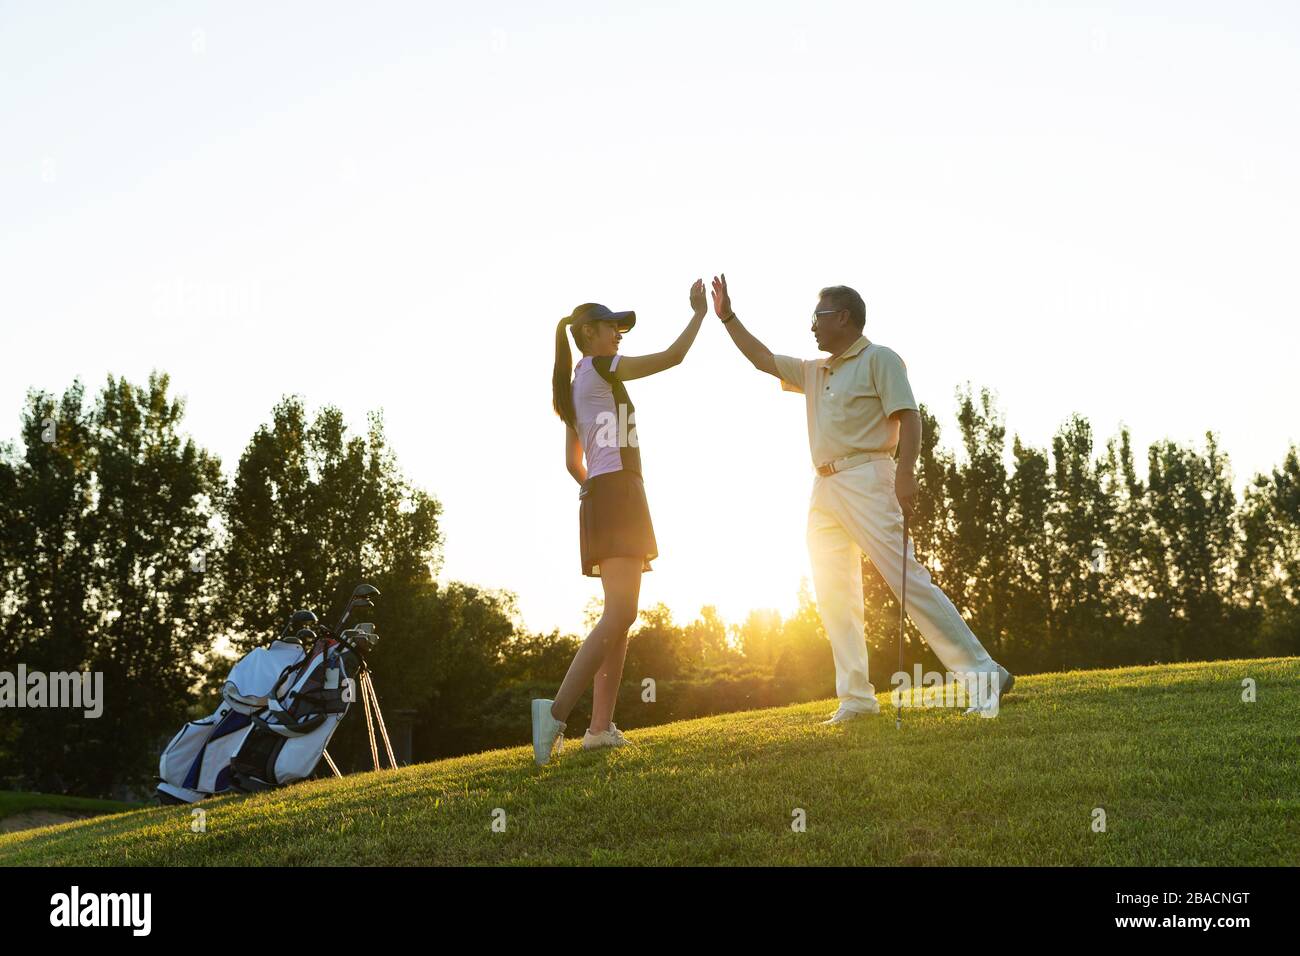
[(361, 597)]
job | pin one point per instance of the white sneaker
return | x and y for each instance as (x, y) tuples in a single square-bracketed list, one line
[(606, 738), (547, 732), (846, 714)]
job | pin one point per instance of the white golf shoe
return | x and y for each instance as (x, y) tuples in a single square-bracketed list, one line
[(991, 704), (845, 713), (547, 732)]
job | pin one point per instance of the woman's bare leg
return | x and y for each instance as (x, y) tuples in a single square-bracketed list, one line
[(621, 578), (604, 696)]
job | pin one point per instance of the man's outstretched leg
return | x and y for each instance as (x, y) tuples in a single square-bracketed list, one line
[(863, 499)]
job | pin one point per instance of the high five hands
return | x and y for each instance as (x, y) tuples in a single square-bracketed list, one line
[(906, 487), (721, 300), (698, 304)]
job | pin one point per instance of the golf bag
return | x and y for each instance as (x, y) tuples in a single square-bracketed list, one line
[(196, 764), (280, 706)]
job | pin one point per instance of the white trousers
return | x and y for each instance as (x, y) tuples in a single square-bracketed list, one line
[(854, 512)]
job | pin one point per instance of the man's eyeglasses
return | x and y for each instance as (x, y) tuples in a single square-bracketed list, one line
[(825, 312)]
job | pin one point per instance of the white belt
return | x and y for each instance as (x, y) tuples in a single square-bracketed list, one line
[(851, 461)]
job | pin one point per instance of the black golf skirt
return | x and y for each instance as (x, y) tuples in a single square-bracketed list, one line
[(614, 521)]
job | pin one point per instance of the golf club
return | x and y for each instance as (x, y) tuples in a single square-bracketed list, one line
[(902, 616), (361, 596), (299, 621)]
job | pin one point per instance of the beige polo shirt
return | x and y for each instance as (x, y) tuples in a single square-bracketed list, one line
[(849, 398)]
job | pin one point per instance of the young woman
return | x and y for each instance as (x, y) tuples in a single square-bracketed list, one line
[(617, 537)]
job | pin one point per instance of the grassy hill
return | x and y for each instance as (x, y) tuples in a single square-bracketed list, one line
[(1186, 772)]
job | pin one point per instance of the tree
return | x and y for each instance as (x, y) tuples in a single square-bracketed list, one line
[(49, 618), (656, 647), (1079, 521), (113, 518), (980, 547), (805, 664), (706, 640), (1269, 559), (1029, 582), (312, 512), (1192, 548), (760, 637)]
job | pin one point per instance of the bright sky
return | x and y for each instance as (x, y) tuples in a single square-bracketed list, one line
[(389, 206)]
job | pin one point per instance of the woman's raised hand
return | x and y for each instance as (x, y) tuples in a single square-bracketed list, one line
[(721, 298), (698, 303)]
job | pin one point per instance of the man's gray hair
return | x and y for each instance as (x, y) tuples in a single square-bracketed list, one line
[(842, 297)]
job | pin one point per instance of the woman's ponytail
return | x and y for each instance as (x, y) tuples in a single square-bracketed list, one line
[(562, 380)]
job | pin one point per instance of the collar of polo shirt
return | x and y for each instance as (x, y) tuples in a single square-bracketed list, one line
[(848, 353)]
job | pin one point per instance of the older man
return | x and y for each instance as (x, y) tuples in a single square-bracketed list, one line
[(859, 403)]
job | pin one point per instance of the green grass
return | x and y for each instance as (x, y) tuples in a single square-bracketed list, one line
[(12, 802), (1186, 772)]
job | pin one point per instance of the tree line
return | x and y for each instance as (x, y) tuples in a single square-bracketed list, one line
[(126, 549)]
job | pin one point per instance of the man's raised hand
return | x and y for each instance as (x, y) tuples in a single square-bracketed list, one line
[(721, 299), (759, 355)]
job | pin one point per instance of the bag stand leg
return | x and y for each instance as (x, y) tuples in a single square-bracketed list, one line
[(370, 697), (370, 720)]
